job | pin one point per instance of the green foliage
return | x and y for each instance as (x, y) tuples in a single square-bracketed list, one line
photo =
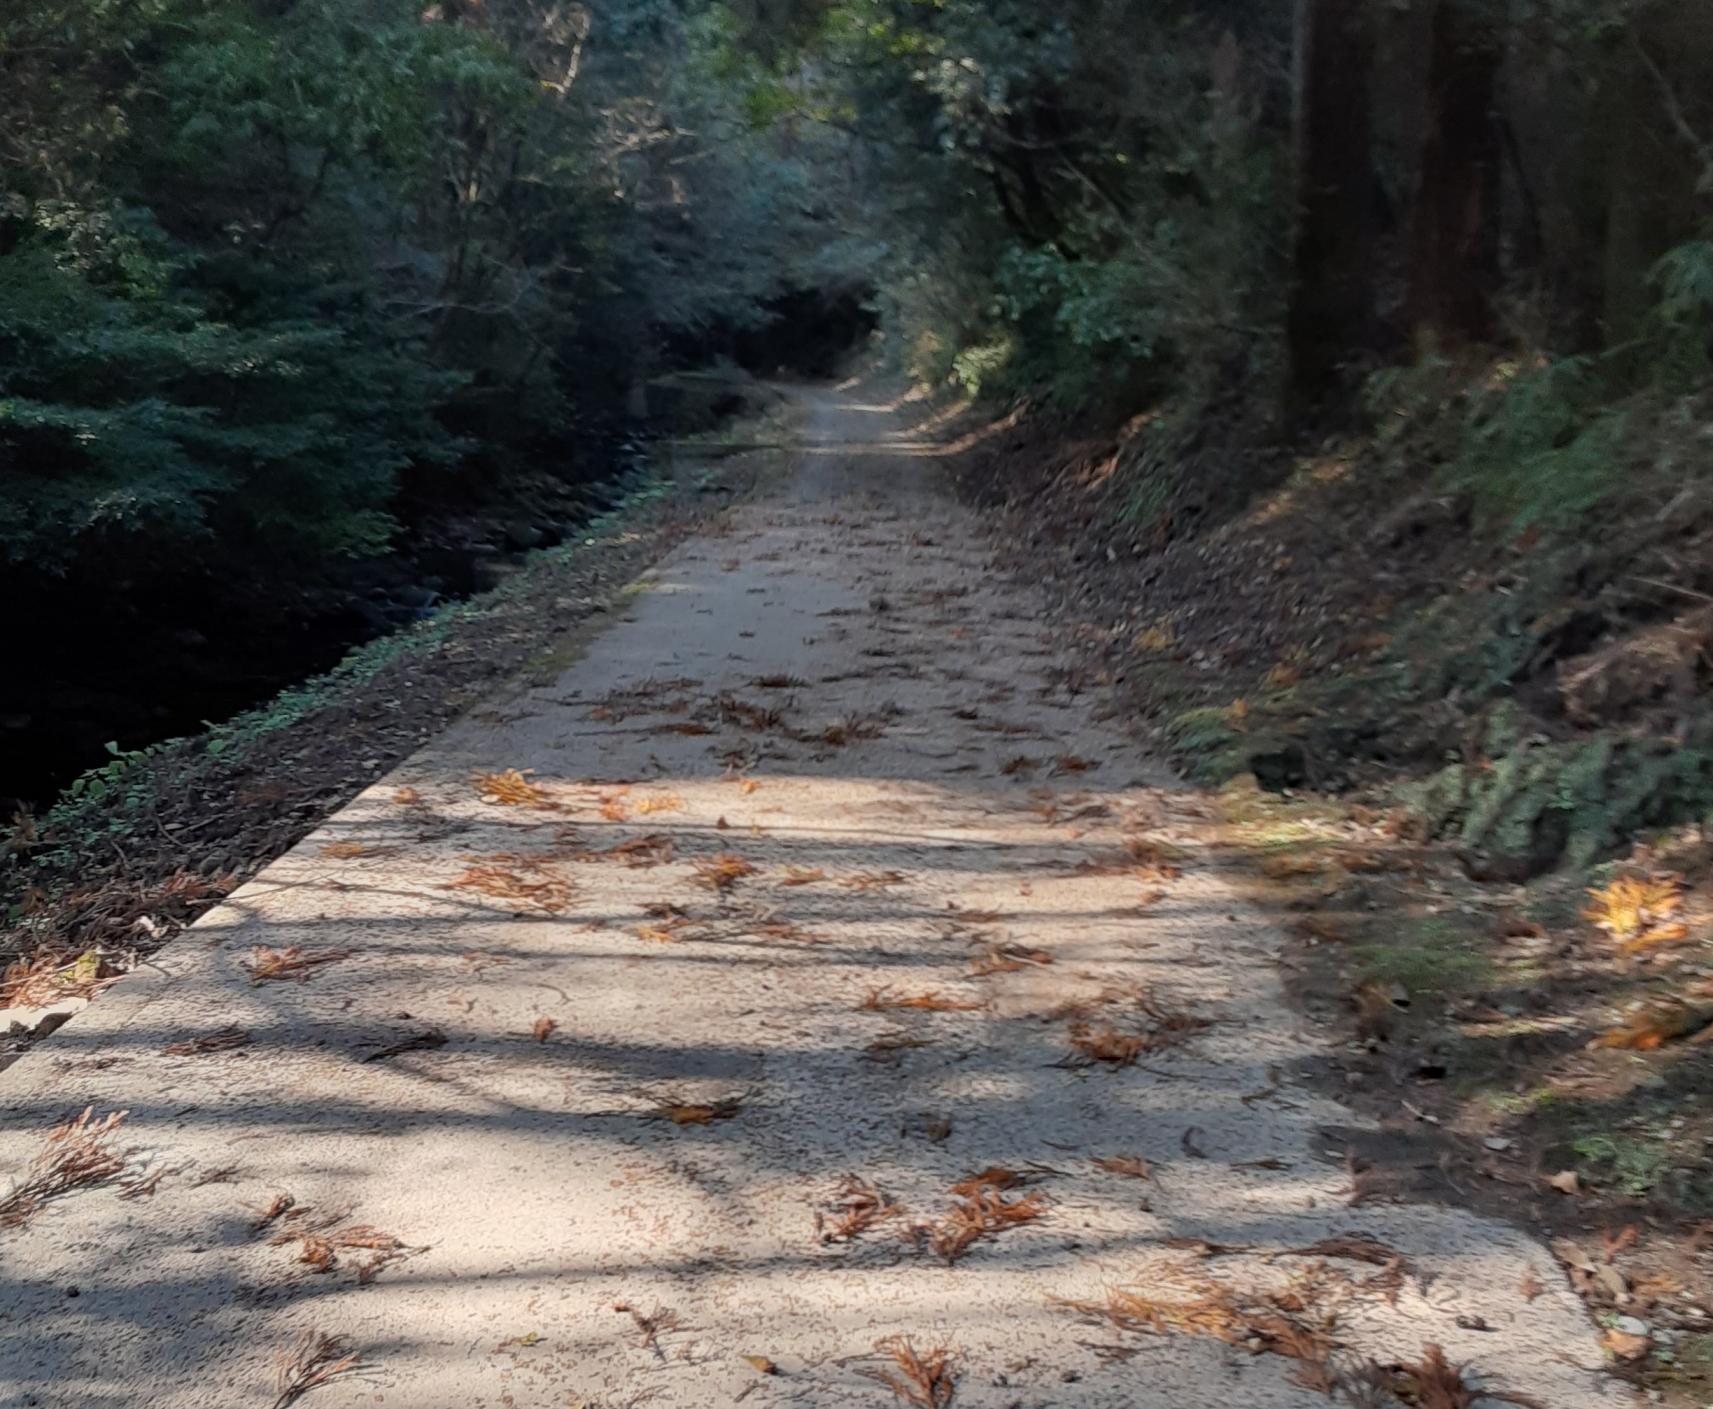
[(1542, 804), (1071, 184), (1635, 1166), (1208, 745), (1543, 443), (126, 410), (259, 265), (1547, 440), (984, 366), (114, 798), (1684, 314)]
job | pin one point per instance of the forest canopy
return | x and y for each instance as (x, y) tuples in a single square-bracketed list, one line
[(262, 262)]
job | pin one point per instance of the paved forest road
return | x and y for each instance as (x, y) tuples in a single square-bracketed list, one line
[(620, 1041)]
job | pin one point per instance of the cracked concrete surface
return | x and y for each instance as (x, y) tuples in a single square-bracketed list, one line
[(490, 1075)]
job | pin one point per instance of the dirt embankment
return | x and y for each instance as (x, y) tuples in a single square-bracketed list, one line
[(1466, 762)]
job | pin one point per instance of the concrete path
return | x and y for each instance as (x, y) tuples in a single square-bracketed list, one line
[(645, 1077)]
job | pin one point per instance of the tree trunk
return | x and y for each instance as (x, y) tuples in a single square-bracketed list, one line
[(1332, 306), (1454, 232)]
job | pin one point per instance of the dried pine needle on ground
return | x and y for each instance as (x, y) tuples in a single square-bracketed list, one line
[(79, 1154), (923, 1379)]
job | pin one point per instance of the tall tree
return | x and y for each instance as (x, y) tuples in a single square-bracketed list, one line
[(1454, 234), (1332, 305)]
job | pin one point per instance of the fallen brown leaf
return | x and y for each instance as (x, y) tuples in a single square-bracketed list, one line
[(873, 880), (855, 1207), (1625, 1346), (518, 880), (1107, 1044), (698, 1113), (1353, 1247), (722, 871), (980, 1215), (1008, 959), (1433, 1382), (995, 1176), (1631, 905), (512, 789), (886, 1049), (322, 1235), (1659, 1024), (664, 933)]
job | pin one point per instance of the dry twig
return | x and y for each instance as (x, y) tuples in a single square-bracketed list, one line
[(222, 1041), (880, 1000), (293, 962)]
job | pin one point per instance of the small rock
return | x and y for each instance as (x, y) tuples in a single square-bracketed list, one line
[(1631, 1326), (1611, 1281), (39, 1022), (1496, 1142), (55, 1018), (1573, 1254), (1565, 1181)]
